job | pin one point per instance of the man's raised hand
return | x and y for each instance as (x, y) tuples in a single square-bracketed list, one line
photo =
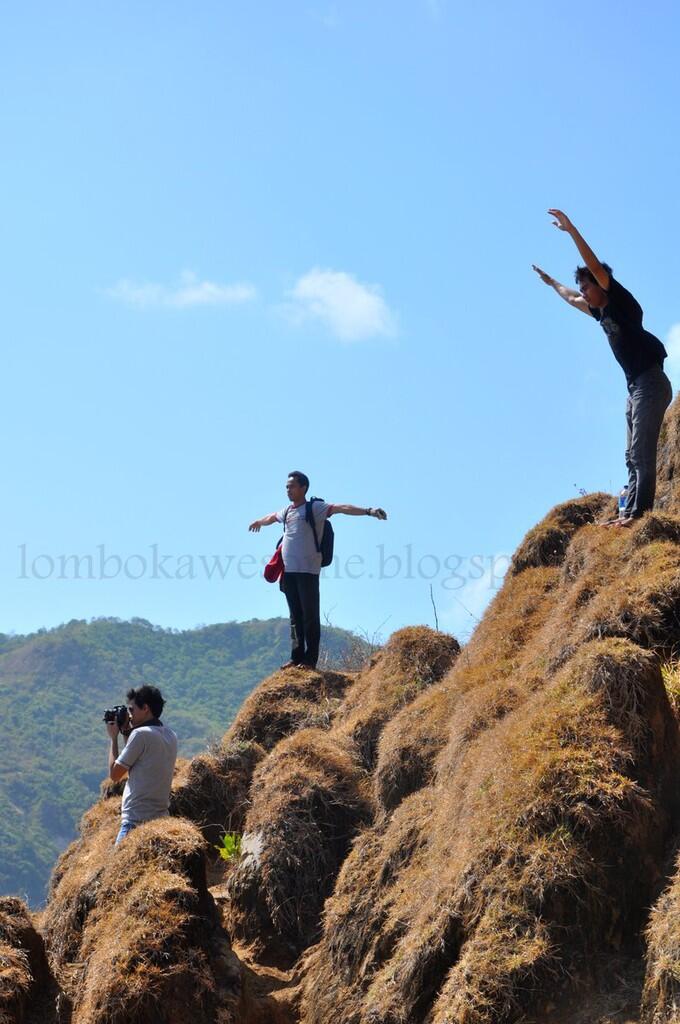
[(545, 278), (379, 513), (561, 220), (255, 527)]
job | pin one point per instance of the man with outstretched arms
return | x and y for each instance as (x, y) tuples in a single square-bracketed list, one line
[(640, 355), (148, 759), (303, 527)]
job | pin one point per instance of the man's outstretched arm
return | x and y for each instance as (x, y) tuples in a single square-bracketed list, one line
[(266, 521), (355, 510), (569, 295), (588, 256)]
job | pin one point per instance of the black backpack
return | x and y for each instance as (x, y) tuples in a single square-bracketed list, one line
[(325, 548)]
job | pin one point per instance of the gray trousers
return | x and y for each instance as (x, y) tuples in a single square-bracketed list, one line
[(649, 395)]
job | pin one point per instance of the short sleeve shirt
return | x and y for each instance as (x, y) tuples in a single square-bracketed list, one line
[(298, 548), (634, 348), (149, 756)]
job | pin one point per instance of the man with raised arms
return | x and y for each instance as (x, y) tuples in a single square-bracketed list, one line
[(640, 355)]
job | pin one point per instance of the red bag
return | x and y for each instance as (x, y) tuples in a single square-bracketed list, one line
[(274, 567)]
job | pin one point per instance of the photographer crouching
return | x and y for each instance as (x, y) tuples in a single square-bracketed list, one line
[(148, 757)]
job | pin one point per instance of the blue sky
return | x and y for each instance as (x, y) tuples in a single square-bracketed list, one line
[(242, 239)]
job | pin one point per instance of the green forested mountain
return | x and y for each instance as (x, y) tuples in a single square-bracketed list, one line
[(54, 686)]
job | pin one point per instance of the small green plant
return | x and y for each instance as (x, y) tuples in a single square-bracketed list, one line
[(229, 847), (671, 677)]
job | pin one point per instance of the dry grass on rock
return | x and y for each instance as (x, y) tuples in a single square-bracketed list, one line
[(546, 543), (288, 700), (643, 602), (668, 462), (212, 790), (132, 932), (413, 660), (23, 967), (671, 678), (483, 891), (76, 879), (409, 745), (612, 583), (495, 674), (661, 992), (309, 799), (657, 526)]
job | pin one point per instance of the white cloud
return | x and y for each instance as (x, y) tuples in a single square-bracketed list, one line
[(188, 292), (673, 349), (351, 310)]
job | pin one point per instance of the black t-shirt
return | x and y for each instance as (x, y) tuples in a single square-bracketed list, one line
[(634, 348)]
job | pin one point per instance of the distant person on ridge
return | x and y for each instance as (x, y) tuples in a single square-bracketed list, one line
[(639, 353), (148, 759), (303, 527)]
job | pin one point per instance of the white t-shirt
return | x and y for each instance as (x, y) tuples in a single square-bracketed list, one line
[(149, 756), (298, 548)]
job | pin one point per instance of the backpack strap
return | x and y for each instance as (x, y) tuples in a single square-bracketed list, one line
[(309, 515)]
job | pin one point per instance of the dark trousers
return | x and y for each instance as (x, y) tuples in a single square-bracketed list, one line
[(302, 594), (649, 395)]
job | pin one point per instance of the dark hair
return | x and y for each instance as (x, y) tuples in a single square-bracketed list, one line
[(301, 479), (582, 272), (149, 695)]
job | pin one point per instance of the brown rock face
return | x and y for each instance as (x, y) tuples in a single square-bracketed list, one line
[(23, 966)]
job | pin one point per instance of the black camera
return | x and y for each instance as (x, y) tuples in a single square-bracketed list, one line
[(119, 714)]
